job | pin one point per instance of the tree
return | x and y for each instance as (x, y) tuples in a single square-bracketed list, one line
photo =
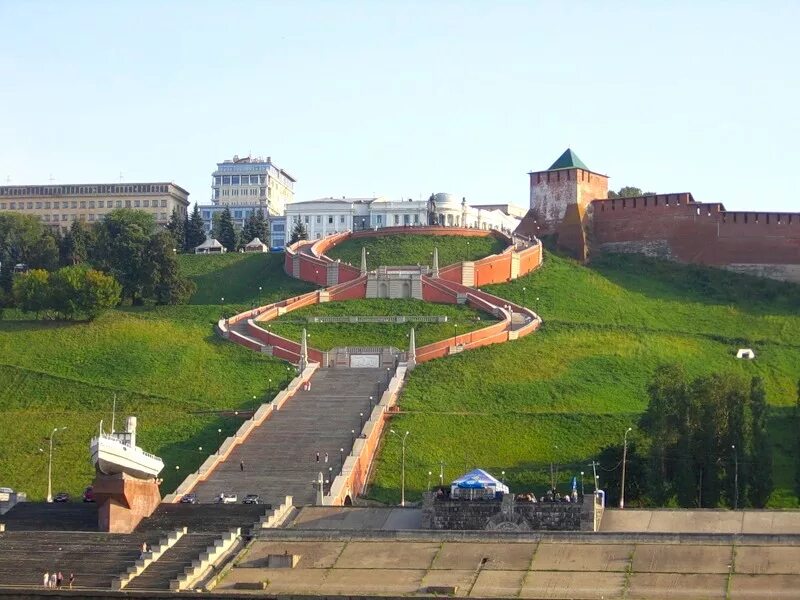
[(261, 226), (80, 291), (166, 285), (761, 483), (122, 241), (77, 245), (299, 232), (177, 229), (23, 239), (248, 231), (195, 231), (628, 192), (32, 291), (227, 232)]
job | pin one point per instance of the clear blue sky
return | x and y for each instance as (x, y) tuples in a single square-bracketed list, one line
[(405, 99)]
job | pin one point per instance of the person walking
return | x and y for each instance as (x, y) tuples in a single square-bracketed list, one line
[(241, 465), (59, 579), (317, 456), (53, 580), (326, 457), (71, 579), (46, 579)]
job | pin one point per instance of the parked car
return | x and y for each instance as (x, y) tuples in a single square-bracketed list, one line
[(61, 497), (88, 494), (189, 499), (251, 499), (227, 498)]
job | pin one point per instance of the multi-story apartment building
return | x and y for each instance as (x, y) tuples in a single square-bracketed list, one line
[(252, 181), (59, 205), (332, 215)]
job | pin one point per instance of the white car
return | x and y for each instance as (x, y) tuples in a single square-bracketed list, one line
[(228, 498)]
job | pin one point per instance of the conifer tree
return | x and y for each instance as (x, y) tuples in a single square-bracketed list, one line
[(176, 227), (299, 232), (195, 231), (761, 484), (227, 232)]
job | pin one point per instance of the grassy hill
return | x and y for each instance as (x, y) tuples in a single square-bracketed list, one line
[(325, 336), (576, 385), (164, 364), (415, 249)]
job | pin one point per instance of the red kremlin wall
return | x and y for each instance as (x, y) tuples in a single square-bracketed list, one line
[(674, 226)]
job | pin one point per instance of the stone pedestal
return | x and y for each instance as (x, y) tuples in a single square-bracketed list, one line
[(123, 501)]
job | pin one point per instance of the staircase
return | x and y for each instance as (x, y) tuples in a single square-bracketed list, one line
[(172, 563), (41, 516), (280, 455)]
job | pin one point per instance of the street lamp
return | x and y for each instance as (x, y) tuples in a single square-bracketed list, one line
[(403, 466), (341, 456), (370, 402), (523, 295), (624, 460), (455, 333), (50, 465), (222, 306), (259, 295), (581, 484), (735, 478), (361, 419)]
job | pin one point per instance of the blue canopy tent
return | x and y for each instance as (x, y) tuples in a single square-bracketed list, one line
[(477, 484)]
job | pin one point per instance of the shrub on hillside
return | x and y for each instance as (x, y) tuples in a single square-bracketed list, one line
[(71, 292)]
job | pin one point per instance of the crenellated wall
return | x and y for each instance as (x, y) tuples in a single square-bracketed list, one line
[(675, 227)]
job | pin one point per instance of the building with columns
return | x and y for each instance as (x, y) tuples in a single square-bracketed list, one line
[(326, 216)]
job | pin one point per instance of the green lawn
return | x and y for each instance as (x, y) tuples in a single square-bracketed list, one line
[(568, 390), (325, 336), (165, 365), (394, 250)]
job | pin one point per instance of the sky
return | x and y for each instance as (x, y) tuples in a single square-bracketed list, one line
[(404, 99)]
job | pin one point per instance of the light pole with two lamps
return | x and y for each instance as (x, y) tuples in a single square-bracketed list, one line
[(402, 465), (624, 460), (50, 465)]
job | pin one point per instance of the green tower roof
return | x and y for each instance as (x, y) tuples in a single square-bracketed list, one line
[(568, 160)]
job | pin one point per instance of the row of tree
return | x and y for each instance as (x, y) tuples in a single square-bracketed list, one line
[(68, 293), (703, 443), (188, 233), (126, 245)]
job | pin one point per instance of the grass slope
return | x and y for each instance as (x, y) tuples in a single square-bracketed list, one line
[(573, 387), (415, 249), (325, 336), (164, 364)]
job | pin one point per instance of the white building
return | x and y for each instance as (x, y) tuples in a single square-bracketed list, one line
[(333, 215)]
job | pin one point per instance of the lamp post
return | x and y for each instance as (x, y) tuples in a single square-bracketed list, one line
[(222, 306), (455, 333), (624, 460), (370, 403), (402, 465), (50, 465), (341, 456), (523, 295), (361, 419), (430, 473), (581, 484), (259, 295), (735, 478), (352, 437)]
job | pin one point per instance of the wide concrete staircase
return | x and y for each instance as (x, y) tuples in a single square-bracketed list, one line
[(280, 455), (94, 558), (40, 516), (203, 518), (172, 563)]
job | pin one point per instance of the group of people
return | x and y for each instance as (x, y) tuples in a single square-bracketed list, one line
[(549, 496), (55, 580)]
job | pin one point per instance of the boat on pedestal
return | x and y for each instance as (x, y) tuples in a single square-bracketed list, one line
[(116, 452)]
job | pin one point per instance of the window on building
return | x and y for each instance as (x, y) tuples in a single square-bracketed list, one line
[(91, 216), (306, 219), (206, 215), (341, 218), (63, 217), (46, 218), (127, 203), (225, 192), (226, 180), (234, 180), (30, 204), (38, 205), (83, 203), (74, 204), (379, 219), (118, 204), (163, 203), (237, 214), (217, 180), (330, 220), (91, 203), (406, 219), (319, 219), (416, 219), (72, 217), (55, 218), (101, 203), (397, 219), (146, 203), (3, 206), (13, 205), (137, 204), (163, 216), (216, 193), (278, 227), (46, 205)]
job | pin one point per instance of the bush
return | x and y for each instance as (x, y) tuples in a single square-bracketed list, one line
[(71, 292)]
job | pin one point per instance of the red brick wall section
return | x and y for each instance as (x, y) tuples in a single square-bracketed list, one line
[(676, 227), (493, 269), (451, 273)]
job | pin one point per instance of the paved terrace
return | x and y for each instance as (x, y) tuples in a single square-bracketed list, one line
[(280, 455)]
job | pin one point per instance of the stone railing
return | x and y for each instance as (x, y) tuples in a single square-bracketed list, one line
[(381, 319), (277, 516), (205, 561)]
